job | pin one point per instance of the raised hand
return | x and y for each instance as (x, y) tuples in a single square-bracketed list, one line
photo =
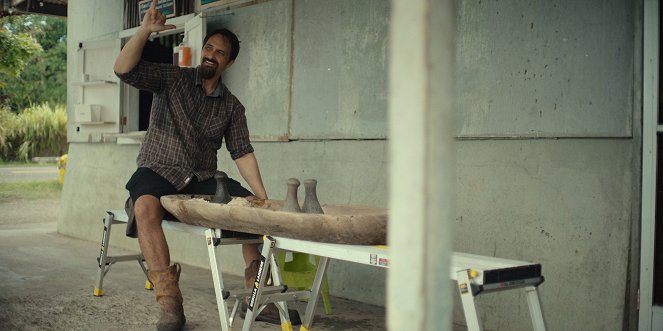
[(154, 20)]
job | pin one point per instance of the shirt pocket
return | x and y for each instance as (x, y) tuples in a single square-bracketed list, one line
[(215, 128)]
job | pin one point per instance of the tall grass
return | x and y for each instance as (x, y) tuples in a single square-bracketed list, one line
[(40, 130)]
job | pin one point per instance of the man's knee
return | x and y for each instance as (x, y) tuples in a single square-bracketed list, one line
[(148, 210)]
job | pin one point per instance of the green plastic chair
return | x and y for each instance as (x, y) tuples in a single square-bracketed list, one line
[(300, 274)]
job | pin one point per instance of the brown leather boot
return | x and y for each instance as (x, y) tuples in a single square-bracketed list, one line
[(270, 313), (169, 297)]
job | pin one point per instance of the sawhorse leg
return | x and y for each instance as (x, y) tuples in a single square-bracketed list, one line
[(277, 281), (105, 262), (214, 239), (315, 292), (255, 305), (467, 293), (212, 235), (535, 310), (103, 256)]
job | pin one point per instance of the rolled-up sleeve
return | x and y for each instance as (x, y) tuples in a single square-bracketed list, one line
[(237, 134)]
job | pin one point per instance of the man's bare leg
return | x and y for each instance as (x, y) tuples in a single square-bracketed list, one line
[(163, 276), (151, 239), (250, 253)]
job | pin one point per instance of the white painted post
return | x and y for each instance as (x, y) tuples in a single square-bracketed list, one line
[(421, 164), (649, 128)]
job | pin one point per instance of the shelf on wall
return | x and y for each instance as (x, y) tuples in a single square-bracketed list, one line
[(94, 83), (95, 123), (128, 138)]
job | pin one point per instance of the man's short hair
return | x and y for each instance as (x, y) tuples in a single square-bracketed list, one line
[(230, 37)]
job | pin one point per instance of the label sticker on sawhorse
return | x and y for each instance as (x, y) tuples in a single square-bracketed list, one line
[(380, 260), (256, 283)]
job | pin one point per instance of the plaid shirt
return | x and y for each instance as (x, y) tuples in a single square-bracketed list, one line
[(186, 126)]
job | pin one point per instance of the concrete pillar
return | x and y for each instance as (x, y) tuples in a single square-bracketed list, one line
[(649, 160), (421, 155)]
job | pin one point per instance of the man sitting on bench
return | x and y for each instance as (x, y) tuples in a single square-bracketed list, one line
[(192, 111)]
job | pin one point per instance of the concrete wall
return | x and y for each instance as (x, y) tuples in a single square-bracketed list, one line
[(563, 203), (570, 204), (529, 70), (553, 69), (559, 69)]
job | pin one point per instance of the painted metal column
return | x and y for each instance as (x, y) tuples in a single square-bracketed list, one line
[(649, 159), (421, 164)]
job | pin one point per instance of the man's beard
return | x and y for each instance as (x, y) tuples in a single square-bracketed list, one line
[(208, 72)]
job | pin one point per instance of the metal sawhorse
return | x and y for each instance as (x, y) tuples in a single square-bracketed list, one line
[(474, 274)]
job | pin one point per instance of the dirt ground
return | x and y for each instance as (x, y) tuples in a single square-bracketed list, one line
[(46, 283), (20, 211)]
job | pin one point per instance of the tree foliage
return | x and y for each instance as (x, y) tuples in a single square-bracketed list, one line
[(15, 52), (33, 66)]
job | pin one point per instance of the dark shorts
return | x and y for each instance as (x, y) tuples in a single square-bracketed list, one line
[(147, 182)]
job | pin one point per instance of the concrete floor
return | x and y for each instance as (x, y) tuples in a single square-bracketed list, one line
[(47, 279)]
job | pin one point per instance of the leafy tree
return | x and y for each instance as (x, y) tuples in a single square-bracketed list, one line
[(53, 33), (15, 52), (42, 76)]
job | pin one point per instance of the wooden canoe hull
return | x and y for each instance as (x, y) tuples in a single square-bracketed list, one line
[(341, 224)]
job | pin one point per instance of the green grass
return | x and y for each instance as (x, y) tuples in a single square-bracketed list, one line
[(30, 190)]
